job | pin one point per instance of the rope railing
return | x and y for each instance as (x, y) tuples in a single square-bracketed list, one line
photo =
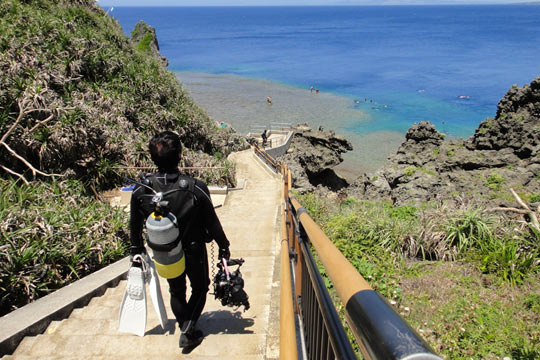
[(197, 170), (379, 331)]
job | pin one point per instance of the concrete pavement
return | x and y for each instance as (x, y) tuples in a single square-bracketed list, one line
[(250, 218)]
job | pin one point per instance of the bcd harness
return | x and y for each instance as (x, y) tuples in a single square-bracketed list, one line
[(164, 229)]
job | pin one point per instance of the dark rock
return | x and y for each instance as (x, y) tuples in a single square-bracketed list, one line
[(504, 152), (516, 125), (424, 132), (312, 156)]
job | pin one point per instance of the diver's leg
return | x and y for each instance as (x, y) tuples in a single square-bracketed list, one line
[(177, 288), (197, 272)]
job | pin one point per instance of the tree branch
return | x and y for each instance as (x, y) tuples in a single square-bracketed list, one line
[(508, 209), (532, 215), (20, 176), (30, 166), (41, 123), (17, 121)]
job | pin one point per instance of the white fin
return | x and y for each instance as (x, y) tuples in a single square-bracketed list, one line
[(132, 317)]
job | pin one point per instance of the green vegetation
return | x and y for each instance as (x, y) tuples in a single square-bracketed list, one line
[(469, 281), (80, 101), (495, 181), (534, 198), (409, 171), (427, 171), (51, 235), (88, 101), (144, 44)]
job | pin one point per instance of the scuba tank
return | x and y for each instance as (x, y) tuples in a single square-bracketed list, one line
[(164, 240)]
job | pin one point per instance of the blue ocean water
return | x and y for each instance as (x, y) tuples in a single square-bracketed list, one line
[(400, 64)]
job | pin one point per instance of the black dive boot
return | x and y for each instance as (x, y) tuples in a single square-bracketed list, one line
[(191, 338)]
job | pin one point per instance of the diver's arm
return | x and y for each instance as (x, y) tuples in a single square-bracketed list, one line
[(136, 220), (209, 216)]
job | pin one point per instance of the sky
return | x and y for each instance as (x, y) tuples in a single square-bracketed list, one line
[(104, 3)]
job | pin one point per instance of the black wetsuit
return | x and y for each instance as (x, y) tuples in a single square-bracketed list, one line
[(204, 226)]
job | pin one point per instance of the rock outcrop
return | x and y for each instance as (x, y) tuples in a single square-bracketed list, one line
[(145, 39), (504, 152), (311, 157)]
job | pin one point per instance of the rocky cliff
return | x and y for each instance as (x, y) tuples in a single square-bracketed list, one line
[(504, 153), (311, 157), (145, 39)]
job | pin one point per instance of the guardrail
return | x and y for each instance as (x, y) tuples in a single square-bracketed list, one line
[(275, 165), (379, 331), (258, 128)]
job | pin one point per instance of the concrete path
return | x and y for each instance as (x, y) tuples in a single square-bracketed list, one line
[(250, 219)]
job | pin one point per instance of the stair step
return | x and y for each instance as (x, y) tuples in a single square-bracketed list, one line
[(128, 357), (147, 347), (225, 320), (91, 331)]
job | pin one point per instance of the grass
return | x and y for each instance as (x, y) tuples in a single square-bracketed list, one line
[(69, 64), (107, 98), (409, 171), (495, 181), (50, 236), (468, 283), (534, 197), (467, 315)]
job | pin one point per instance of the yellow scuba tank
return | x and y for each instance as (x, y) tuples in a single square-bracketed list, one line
[(163, 239)]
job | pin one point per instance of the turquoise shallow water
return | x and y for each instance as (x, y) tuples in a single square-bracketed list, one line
[(241, 102), (446, 64)]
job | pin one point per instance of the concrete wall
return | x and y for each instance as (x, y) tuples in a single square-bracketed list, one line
[(282, 149)]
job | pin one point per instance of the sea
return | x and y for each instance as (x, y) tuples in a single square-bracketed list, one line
[(366, 72)]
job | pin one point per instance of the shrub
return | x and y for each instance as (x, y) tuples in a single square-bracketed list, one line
[(409, 171), (50, 236), (468, 231), (509, 260), (495, 181)]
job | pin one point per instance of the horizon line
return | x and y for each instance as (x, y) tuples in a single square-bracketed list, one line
[(333, 5)]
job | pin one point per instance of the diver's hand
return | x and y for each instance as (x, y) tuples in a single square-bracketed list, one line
[(136, 250), (224, 253)]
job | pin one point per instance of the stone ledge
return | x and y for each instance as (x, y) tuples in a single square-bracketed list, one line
[(33, 319)]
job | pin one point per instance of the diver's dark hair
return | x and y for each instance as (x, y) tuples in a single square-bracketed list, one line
[(165, 149)]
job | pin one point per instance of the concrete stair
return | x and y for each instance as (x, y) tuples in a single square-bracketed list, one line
[(250, 220)]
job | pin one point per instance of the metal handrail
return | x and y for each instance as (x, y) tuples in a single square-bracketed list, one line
[(267, 158), (379, 330), (287, 331)]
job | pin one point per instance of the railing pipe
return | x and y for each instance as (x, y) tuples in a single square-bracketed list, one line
[(287, 342), (379, 330)]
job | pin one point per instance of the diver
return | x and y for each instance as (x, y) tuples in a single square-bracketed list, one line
[(264, 137), (197, 225)]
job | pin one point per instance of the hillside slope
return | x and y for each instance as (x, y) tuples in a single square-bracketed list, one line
[(77, 98)]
